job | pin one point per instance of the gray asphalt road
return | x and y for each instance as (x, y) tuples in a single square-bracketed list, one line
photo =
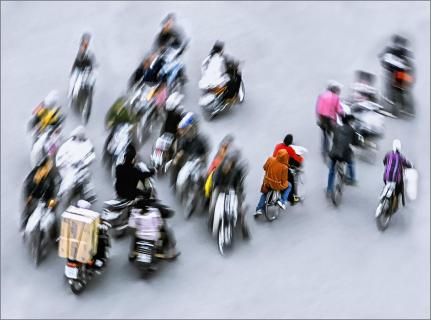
[(315, 261)]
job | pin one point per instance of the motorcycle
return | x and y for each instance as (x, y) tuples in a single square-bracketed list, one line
[(212, 100), (147, 239), (142, 102), (78, 274), (47, 143), (116, 145), (73, 166), (190, 184), (399, 83), (40, 230), (225, 219), (82, 94), (388, 200), (369, 123), (174, 67), (162, 152), (117, 211)]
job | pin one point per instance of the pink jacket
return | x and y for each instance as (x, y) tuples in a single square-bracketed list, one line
[(328, 105)]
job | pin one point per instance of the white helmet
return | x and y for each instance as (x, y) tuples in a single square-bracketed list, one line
[(396, 145), (83, 204), (174, 101), (78, 132), (51, 99), (334, 84)]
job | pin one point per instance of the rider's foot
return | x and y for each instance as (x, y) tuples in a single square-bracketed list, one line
[(281, 205), (350, 182), (258, 212)]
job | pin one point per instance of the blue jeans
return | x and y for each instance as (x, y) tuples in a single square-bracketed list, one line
[(331, 176), (284, 195)]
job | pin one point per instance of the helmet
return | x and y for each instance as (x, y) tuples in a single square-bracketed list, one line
[(78, 132), (288, 139), (218, 47), (228, 139), (86, 36), (83, 204), (169, 16), (334, 86), (348, 118), (174, 101), (188, 120), (396, 145), (51, 99)]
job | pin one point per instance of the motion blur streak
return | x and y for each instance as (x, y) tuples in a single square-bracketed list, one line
[(316, 261)]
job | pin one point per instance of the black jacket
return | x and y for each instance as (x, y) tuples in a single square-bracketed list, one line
[(173, 118), (127, 179), (150, 75), (194, 147), (233, 179), (171, 38), (344, 136), (83, 61)]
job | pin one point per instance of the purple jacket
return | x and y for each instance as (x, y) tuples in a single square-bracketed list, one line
[(394, 163)]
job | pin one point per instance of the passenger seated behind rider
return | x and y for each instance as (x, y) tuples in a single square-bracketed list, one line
[(277, 179), (344, 136), (219, 157), (294, 161), (174, 114), (230, 174), (127, 177), (84, 59), (234, 83), (395, 163), (40, 184), (46, 114), (191, 144), (157, 214)]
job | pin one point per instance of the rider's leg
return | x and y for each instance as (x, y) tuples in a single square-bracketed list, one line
[(261, 203), (351, 172), (285, 193)]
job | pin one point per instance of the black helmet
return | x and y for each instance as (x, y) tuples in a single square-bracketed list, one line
[(130, 153), (348, 118), (217, 47), (288, 139)]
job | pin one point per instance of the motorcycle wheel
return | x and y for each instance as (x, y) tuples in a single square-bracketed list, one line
[(383, 215), (36, 248), (225, 237), (77, 286), (189, 202), (86, 106)]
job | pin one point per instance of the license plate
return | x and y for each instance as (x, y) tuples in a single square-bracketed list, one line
[(144, 258), (71, 272)]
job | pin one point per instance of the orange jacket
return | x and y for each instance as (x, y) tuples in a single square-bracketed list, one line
[(276, 171)]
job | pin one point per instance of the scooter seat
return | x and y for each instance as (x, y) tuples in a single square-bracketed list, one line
[(118, 203)]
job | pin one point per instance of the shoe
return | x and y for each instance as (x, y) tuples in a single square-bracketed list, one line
[(281, 205), (258, 212), (351, 182)]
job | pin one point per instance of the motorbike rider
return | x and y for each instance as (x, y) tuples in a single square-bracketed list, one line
[(66, 157), (214, 66), (294, 160), (174, 113), (170, 34), (344, 136), (148, 71), (191, 144), (235, 79), (276, 178), (84, 59), (127, 177), (398, 48), (395, 163), (219, 157), (230, 174), (46, 114), (40, 184), (159, 213), (327, 107), (100, 258)]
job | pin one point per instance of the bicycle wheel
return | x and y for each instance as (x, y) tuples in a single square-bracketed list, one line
[(338, 187), (272, 210)]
